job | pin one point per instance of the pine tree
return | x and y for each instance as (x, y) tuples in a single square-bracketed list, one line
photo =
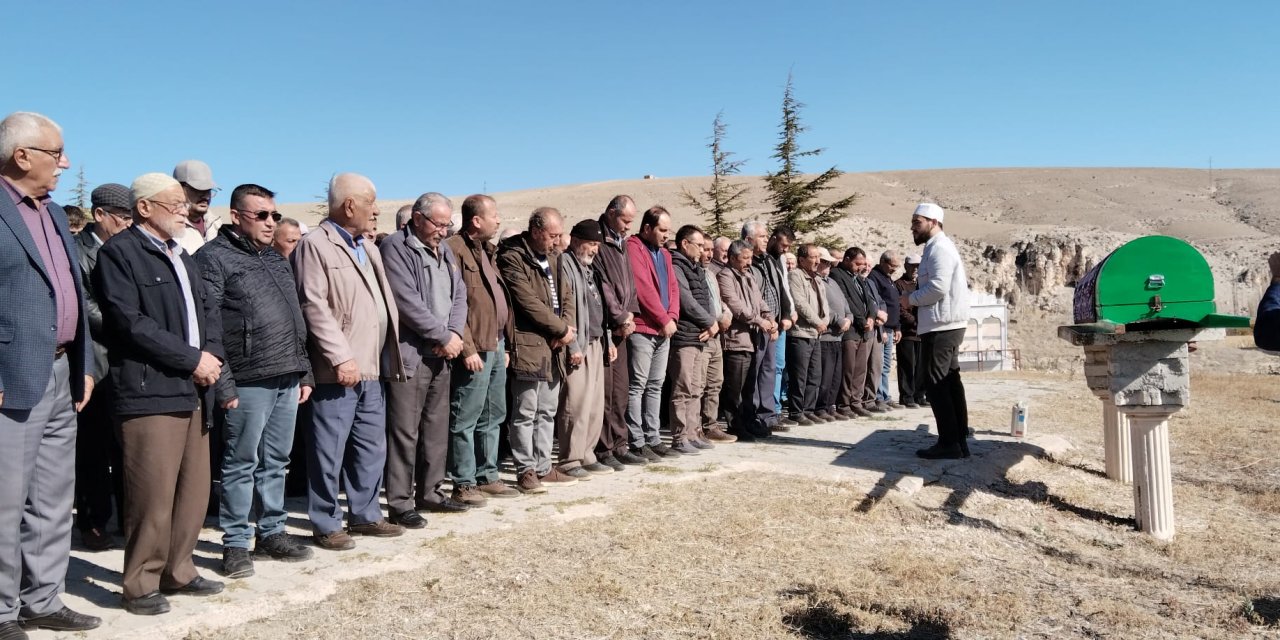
[(794, 199), (722, 198), (81, 191)]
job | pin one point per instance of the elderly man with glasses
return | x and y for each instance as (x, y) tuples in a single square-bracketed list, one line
[(46, 369), (164, 337), (98, 461), (265, 338)]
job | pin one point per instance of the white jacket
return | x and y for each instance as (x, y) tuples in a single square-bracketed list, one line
[(191, 240), (943, 293)]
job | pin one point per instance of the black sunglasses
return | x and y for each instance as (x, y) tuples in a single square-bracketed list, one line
[(263, 215)]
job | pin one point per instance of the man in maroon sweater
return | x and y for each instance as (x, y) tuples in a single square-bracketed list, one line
[(656, 311)]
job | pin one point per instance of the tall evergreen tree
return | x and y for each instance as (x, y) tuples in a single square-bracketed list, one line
[(794, 199), (720, 200), (81, 192)]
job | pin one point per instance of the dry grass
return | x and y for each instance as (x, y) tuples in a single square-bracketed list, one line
[(1048, 552)]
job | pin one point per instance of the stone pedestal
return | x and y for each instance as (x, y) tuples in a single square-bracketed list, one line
[(1152, 472), (1117, 449), (1143, 378)]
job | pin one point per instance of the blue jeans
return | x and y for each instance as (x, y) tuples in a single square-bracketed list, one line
[(348, 437), (779, 359), (648, 359), (259, 435), (882, 393), (477, 409)]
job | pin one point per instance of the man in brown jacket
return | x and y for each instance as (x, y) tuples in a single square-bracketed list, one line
[(478, 404), (751, 322), (352, 324), (544, 325)]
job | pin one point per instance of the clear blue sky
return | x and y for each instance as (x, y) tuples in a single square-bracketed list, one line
[(462, 96)]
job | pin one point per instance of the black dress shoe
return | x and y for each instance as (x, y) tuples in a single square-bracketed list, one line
[(152, 604), (409, 519), (63, 619), (448, 505), (941, 452), (201, 586)]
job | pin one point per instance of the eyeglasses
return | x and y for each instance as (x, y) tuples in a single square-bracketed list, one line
[(261, 216), (123, 214), (172, 207), (56, 154)]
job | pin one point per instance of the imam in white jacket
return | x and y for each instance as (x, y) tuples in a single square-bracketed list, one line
[(943, 293)]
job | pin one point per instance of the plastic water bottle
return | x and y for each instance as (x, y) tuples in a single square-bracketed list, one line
[(1018, 421)]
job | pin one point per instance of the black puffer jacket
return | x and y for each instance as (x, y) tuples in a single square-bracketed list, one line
[(695, 302), (263, 331)]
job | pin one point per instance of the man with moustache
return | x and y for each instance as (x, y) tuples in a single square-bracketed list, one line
[(831, 341), (581, 415), (805, 354), (768, 272), (99, 472), (658, 308), (942, 303), (198, 186), (857, 343), (268, 376), (710, 406), (543, 326), (46, 375), (432, 300), (742, 346), (698, 325), (164, 339), (618, 289), (352, 325), (478, 402), (286, 238)]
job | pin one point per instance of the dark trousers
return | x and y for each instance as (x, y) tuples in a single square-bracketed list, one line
[(166, 475), (857, 353), (617, 381), (417, 437), (735, 394), (804, 371), (765, 412), (832, 372), (911, 381), (99, 464), (946, 392)]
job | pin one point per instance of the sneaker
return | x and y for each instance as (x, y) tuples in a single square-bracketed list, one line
[(236, 563), (611, 462), (528, 483), (336, 541), (597, 468), (685, 448), (559, 478), (469, 494), (283, 547), (379, 529), (632, 457), (702, 444), (577, 473), (664, 451), (718, 435), (798, 420), (497, 489), (647, 453)]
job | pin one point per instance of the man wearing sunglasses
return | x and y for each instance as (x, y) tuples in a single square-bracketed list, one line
[(265, 338), (197, 183), (98, 456)]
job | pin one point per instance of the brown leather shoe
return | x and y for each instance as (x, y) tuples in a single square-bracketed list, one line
[(469, 494), (529, 483), (336, 541), (558, 478), (716, 435), (497, 489), (379, 529)]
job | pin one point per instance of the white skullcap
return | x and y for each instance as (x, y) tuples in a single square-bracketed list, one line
[(149, 184), (913, 259), (930, 210)]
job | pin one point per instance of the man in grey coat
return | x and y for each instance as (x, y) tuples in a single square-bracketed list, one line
[(432, 300), (581, 416)]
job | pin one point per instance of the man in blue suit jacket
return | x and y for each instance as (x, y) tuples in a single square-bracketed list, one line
[(45, 367)]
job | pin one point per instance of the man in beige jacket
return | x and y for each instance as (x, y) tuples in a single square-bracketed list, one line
[(352, 324), (804, 356)]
